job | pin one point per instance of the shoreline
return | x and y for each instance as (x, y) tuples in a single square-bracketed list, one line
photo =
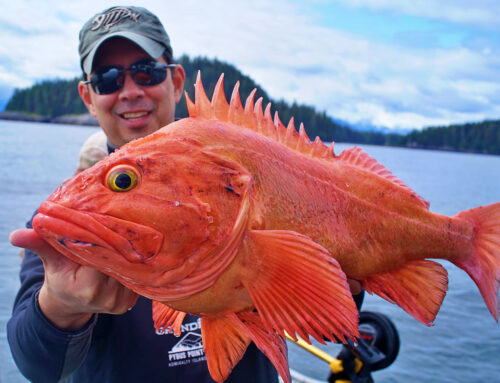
[(73, 119), (88, 120)]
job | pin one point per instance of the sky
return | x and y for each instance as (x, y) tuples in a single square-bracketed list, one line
[(395, 64)]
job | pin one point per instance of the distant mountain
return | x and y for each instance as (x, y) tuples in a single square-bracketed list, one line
[(368, 127), (478, 137), (55, 98), (58, 101)]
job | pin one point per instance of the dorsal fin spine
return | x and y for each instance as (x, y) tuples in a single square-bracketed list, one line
[(235, 114), (330, 152), (190, 105), (250, 120), (304, 141), (259, 115), (291, 133), (201, 101), (219, 102), (319, 148), (252, 117), (270, 127), (280, 128)]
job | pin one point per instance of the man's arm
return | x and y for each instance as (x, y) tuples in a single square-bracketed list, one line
[(41, 351), (51, 326)]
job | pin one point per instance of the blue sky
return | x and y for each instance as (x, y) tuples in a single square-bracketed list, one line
[(388, 63)]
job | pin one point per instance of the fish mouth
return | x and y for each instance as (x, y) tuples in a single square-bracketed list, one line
[(84, 234)]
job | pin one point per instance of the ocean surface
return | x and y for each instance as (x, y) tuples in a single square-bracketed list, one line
[(462, 346)]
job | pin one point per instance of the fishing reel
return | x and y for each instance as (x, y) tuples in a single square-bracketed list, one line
[(376, 348)]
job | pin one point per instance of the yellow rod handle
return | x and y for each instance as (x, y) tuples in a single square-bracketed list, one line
[(334, 363)]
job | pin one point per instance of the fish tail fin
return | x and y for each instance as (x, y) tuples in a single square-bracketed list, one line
[(483, 266)]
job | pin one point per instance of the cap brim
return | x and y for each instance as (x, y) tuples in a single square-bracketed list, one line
[(151, 47)]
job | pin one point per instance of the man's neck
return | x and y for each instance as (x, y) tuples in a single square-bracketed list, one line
[(111, 147)]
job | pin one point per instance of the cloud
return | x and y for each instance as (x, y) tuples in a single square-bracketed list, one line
[(405, 82), (479, 13)]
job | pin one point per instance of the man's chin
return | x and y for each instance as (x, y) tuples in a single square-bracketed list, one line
[(133, 133)]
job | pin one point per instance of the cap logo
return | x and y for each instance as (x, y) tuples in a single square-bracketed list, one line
[(113, 16)]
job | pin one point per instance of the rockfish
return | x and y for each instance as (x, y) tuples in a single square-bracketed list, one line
[(231, 216)]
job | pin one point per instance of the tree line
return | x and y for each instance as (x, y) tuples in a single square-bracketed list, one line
[(53, 98)]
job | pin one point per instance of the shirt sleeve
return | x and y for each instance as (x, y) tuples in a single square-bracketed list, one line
[(42, 352)]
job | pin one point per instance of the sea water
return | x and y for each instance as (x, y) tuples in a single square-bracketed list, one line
[(463, 346)]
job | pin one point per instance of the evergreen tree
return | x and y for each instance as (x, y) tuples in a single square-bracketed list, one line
[(53, 98)]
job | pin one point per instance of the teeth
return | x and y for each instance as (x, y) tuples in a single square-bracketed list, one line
[(132, 115)]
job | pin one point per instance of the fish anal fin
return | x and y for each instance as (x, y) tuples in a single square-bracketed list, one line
[(418, 287), (358, 157), (298, 287), (225, 343), (269, 342), (166, 319)]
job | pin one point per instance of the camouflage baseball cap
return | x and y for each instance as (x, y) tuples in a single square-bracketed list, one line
[(136, 24)]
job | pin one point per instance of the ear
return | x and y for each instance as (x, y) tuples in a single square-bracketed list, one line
[(84, 92), (178, 78)]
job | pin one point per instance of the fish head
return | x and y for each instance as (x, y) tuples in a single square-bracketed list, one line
[(148, 215)]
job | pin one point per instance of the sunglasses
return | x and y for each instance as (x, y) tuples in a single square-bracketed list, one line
[(109, 79)]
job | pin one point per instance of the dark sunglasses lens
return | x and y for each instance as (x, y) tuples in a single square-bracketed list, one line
[(149, 74), (112, 79), (107, 82)]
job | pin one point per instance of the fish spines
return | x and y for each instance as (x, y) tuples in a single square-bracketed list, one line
[(319, 148), (219, 102), (252, 117), (280, 128), (331, 150), (201, 101), (269, 122), (291, 133), (250, 120), (304, 141), (259, 115), (236, 111), (191, 107)]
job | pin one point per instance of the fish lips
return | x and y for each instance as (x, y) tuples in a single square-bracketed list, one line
[(87, 234)]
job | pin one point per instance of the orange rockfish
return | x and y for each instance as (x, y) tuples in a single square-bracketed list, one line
[(231, 216)]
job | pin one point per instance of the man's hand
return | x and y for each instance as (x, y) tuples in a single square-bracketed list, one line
[(72, 293)]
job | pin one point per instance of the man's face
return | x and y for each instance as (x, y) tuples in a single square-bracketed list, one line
[(133, 111)]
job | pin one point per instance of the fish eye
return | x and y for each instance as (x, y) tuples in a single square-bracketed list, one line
[(122, 178)]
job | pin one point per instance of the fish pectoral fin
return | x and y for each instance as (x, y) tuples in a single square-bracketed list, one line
[(224, 343), (418, 288), (298, 287), (166, 319)]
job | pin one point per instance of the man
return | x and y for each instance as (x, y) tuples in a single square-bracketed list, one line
[(71, 322)]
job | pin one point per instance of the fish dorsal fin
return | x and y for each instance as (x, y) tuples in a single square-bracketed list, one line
[(253, 117), (358, 157)]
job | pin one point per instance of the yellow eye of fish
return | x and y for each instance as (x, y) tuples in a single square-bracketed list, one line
[(122, 179)]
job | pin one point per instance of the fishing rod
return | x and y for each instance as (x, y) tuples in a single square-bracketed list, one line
[(375, 349)]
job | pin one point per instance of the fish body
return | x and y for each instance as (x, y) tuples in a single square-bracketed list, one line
[(231, 216)]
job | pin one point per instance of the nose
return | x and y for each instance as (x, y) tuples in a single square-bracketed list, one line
[(130, 90)]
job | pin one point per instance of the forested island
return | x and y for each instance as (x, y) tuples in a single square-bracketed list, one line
[(58, 101)]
